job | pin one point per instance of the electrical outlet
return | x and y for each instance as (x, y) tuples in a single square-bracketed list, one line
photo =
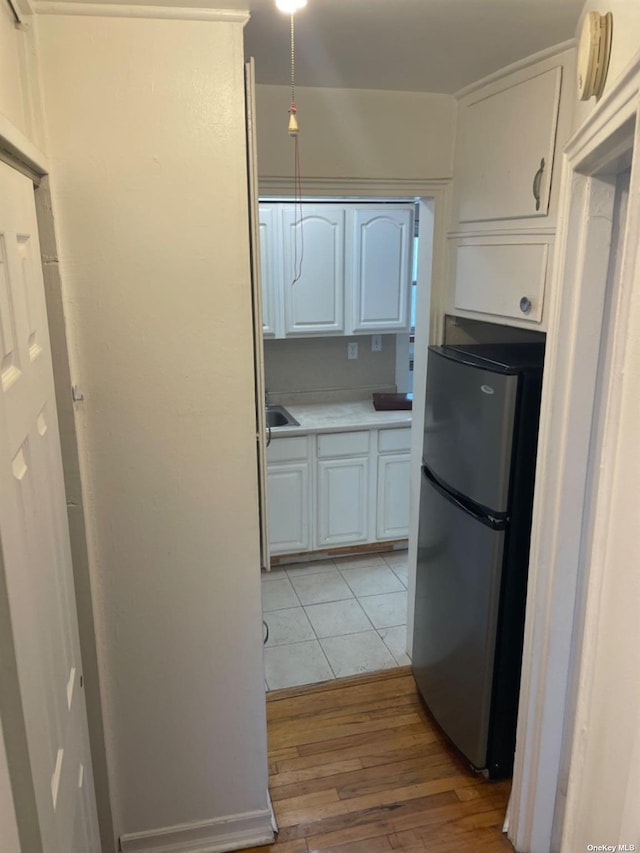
[(352, 350), (376, 343)]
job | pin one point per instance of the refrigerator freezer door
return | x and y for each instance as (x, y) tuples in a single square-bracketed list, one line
[(457, 598), (468, 432)]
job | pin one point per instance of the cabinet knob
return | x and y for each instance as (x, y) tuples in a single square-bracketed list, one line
[(525, 305)]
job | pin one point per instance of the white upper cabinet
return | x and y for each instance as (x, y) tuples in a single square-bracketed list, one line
[(270, 271), (335, 269), (506, 142), (313, 269), (505, 192), (381, 238)]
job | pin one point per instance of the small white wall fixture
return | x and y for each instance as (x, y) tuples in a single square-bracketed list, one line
[(574, 778)]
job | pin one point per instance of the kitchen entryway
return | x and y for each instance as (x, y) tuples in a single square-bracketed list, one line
[(334, 618)]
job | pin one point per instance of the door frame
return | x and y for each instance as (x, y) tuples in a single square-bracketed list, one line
[(431, 300), (568, 572)]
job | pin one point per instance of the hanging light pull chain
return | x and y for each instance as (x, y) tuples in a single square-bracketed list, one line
[(298, 236), (293, 122)]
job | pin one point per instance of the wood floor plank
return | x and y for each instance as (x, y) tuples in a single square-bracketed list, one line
[(293, 811), (430, 815), (360, 826), (315, 772), (355, 782), (368, 748), (359, 766), (371, 845), (301, 735)]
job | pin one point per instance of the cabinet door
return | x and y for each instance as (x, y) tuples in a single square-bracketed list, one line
[(313, 249), (380, 255), (505, 158), (289, 516), (502, 278), (393, 496), (342, 501), (270, 272)]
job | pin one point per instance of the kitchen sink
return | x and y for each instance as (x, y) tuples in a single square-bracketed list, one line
[(277, 416)]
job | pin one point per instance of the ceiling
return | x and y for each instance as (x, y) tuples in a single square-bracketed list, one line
[(406, 45)]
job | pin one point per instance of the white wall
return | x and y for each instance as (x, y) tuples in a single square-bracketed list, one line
[(356, 133), (145, 129)]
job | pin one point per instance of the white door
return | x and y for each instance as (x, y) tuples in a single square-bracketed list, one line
[(313, 269), (34, 536)]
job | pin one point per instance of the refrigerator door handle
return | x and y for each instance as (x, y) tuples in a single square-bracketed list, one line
[(483, 518)]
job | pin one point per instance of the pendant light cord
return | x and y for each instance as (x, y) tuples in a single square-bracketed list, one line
[(298, 235)]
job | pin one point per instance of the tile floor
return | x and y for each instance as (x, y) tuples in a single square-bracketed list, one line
[(332, 618)]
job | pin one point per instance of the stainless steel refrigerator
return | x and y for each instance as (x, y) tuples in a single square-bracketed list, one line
[(478, 467)]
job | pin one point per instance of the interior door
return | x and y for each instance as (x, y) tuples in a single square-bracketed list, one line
[(35, 566), (256, 291)]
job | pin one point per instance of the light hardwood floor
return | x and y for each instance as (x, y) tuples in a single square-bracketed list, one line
[(357, 766)]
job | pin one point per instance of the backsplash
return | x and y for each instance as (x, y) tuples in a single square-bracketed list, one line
[(308, 370)]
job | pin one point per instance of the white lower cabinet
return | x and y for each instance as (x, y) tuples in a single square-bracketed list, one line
[(343, 501), (343, 488), (392, 520), (337, 489), (289, 495), (392, 515)]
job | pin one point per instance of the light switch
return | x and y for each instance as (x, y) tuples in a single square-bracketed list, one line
[(376, 343)]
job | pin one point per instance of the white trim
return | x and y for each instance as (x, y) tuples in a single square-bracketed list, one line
[(556, 611), (233, 832), (535, 231), (520, 65), (353, 187), (165, 13), (22, 149)]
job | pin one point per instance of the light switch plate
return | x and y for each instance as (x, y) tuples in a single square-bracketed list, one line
[(352, 350), (376, 343)]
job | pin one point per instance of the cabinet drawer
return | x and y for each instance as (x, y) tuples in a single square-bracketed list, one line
[(343, 444), (392, 440), (496, 278), (288, 449)]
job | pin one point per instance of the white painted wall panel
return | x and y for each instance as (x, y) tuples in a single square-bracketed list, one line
[(149, 189), (357, 133)]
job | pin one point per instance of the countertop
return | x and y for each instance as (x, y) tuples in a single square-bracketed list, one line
[(339, 417)]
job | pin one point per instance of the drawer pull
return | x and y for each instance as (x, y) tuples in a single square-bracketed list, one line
[(537, 181), (525, 305)]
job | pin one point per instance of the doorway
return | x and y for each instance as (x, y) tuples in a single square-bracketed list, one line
[(337, 606), (573, 778)]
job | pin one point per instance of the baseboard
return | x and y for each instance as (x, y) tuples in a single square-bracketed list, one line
[(233, 832), (344, 551)]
